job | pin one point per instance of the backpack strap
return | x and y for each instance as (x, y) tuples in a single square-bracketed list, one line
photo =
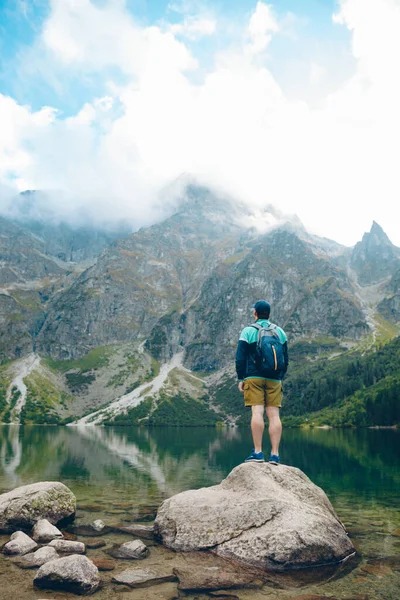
[(271, 327)]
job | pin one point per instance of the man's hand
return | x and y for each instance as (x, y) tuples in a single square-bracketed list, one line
[(241, 387)]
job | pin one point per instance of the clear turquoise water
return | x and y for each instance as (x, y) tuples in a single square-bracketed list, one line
[(117, 472)]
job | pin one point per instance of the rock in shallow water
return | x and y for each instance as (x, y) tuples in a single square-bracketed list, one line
[(104, 564), (262, 515), (68, 547), (38, 558), (44, 532), (216, 578), (19, 543), (130, 550), (26, 505), (141, 531), (143, 577), (76, 574), (98, 525), (94, 543)]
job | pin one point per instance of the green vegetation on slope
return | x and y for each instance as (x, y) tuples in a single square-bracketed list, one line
[(349, 390), (377, 405), (93, 360), (311, 388), (180, 409), (133, 416), (43, 397), (5, 380), (79, 373), (15, 394), (177, 410)]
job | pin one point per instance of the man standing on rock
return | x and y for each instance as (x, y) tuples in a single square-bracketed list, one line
[(261, 362)]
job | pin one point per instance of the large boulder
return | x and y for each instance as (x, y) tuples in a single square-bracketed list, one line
[(24, 506), (76, 574), (266, 516)]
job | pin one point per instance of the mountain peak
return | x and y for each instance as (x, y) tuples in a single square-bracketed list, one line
[(377, 230), (375, 257)]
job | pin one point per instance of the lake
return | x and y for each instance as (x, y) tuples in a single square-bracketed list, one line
[(122, 474)]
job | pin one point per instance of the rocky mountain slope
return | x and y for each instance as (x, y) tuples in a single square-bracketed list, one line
[(186, 283)]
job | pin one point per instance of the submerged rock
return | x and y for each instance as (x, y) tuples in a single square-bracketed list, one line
[(76, 574), (266, 516), (44, 532), (143, 577), (130, 550), (24, 506), (95, 543), (68, 547), (19, 543), (104, 564), (141, 531), (90, 530), (38, 558), (216, 578)]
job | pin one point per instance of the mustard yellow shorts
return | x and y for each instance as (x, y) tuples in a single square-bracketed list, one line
[(262, 392)]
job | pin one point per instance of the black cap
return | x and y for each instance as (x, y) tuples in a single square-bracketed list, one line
[(262, 307)]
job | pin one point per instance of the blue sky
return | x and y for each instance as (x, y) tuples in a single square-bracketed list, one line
[(104, 103), (309, 32)]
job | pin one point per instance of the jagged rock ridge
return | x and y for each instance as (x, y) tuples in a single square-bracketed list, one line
[(189, 282)]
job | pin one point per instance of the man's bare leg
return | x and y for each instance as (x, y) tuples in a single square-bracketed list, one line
[(275, 428), (257, 427)]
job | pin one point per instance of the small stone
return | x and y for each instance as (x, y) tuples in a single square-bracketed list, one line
[(131, 550), (137, 529), (91, 507), (69, 536), (44, 532), (135, 578), (378, 570), (19, 543), (98, 525), (104, 564), (76, 574), (38, 558), (65, 546), (94, 543)]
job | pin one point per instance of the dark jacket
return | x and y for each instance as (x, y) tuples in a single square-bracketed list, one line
[(246, 357)]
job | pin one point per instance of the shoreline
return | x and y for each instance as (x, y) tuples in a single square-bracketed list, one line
[(216, 426)]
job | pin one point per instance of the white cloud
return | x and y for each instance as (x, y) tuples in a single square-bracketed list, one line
[(91, 38), (318, 74), (194, 27), (335, 166), (261, 27)]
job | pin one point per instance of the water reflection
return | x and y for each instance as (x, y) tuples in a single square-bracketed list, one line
[(169, 460), (122, 474)]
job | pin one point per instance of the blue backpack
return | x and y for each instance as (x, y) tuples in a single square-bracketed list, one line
[(270, 356)]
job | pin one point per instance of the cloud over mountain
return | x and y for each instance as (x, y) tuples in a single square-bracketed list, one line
[(174, 103)]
